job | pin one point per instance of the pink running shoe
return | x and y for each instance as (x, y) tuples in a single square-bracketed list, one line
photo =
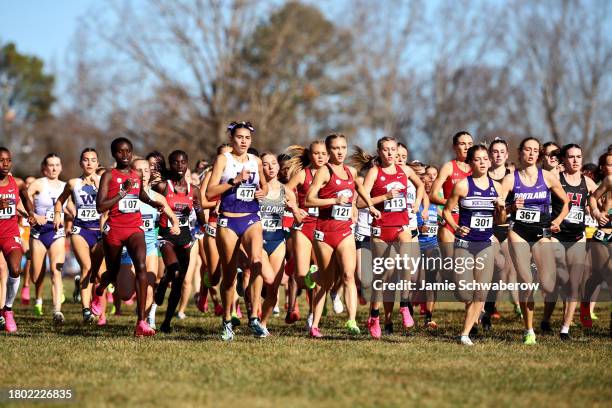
[(96, 305), (101, 321), (131, 300), (143, 329), (202, 303), (374, 327), (9, 326), (25, 295), (218, 309), (315, 333), (407, 320)]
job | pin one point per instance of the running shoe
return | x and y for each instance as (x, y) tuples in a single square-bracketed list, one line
[(486, 322), (257, 329), (38, 309), (101, 321), (235, 320), (431, 324), (218, 309), (292, 317), (407, 320), (181, 315), (495, 315), (25, 295), (165, 328), (160, 291), (96, 305), (389, 329), (228, 332), (202, 302), (465, 340), (351, 326), (9, 321), (529, 339), (143, 330), (585, 316), (310, 284), (374, 327), (114, 311), (2, 321), (594, 316), (88, 316), (76, 293), (131, 300), (58, 317), (564, 336), (545, 327), (337, 303), (276, 311), (315, 333)]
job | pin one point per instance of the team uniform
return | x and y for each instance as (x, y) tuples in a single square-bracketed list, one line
[(124, 217), (363, 228), (501, 230), (335, 221), (87, 220), (182, 206), (309, 224), (394, 212), (410, 200), (531, 222), (428, 236), (150, 218), (476, 211), (240, 198), (447, 188), (44, 204), (271, 212), (9, 226), (573, 225)]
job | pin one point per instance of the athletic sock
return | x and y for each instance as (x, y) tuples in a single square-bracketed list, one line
[(12, 287), (374, 313), (529, 331), (565, 329), (153, 310), (39, 301)]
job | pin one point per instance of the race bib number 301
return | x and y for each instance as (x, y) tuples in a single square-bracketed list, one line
[(480, 222)]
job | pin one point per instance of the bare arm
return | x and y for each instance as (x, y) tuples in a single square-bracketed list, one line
[(459, 190), (555, 186), (436, 188), (420, 187), (321, 177)]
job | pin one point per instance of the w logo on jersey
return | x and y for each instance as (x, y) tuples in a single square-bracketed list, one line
[(88, 199), (575, 198)]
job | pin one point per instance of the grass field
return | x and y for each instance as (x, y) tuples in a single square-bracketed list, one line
[(192, 367)]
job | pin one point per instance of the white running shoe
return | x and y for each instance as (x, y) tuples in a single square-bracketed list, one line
[(337, 302), (276, 311), (58, 317), (466, 341), (181, 315)]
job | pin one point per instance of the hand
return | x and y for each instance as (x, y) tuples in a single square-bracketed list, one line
[(126, 185), (519, 203), (259, 195), (554, 227), (175, 229), (463, 230), (299, 215), (392, 194), (374, 213), (601, 218), (39, 219), (342, 200), (57, 222), (242, 176)]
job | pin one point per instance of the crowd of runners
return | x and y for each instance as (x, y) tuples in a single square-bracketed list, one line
[(147, 229)]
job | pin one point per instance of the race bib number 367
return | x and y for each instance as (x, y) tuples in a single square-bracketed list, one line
[(527, 215)]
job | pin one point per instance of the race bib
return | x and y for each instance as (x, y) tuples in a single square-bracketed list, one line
[(341, 212), (575, 215), (313, 211), (245, 193), (590, 221), (50, 215), (319, 236), (129, 205), (396, 204), (481, 222), (271, 223), (88, 214), (376, 231), (148, 224), (7, 212), (528, 215), (222, 222), (211, 231), (183, 222), (75, 230), (430, 230)]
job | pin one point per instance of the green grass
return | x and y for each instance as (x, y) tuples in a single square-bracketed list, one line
[(192, 367)]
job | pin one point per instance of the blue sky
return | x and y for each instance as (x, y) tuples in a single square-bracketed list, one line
[(41, 27)]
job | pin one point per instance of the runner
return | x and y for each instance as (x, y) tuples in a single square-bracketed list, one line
[(333, 190), (238, 178), (478, 198), (85, 236), (44, 239), (119, 194), (529, 189)]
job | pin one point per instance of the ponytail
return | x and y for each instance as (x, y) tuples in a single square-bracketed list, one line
[(362, 160)]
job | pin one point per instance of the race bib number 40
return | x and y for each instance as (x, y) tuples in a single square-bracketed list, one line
[(245, 193), (527, 215), (480, 222), (129, 205), (341, 212), (396, 204), (8, 212)]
